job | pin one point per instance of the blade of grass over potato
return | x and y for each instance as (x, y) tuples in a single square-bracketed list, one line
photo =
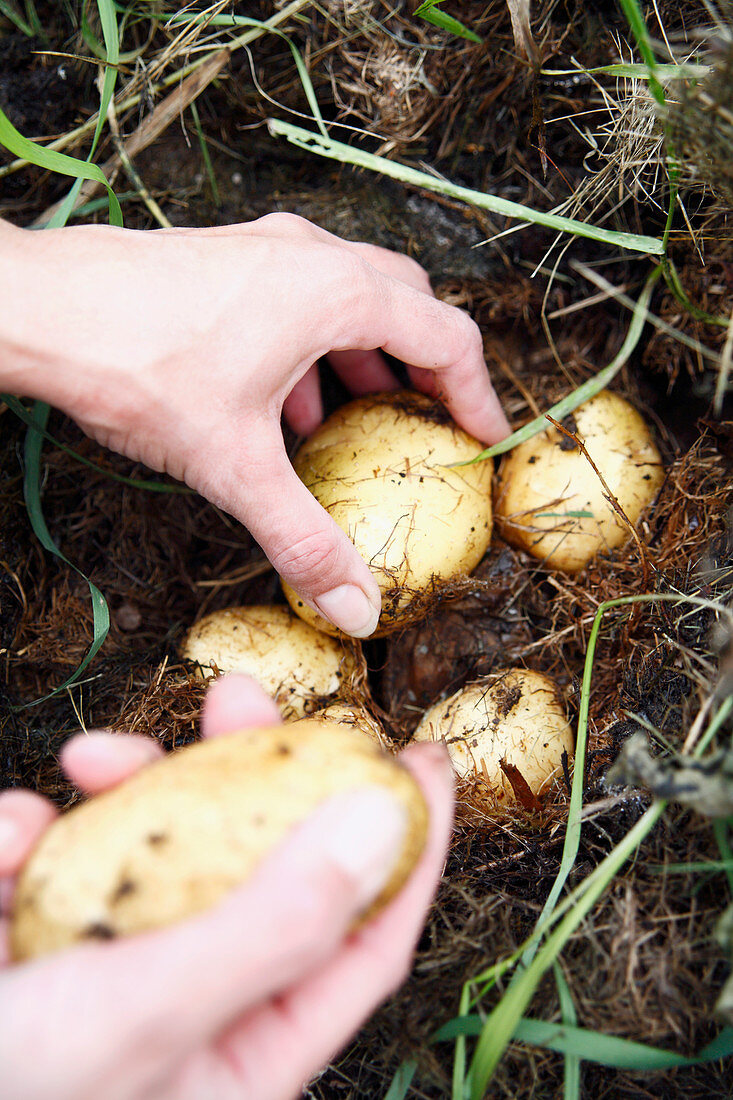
[(325, 146), (588, 389)]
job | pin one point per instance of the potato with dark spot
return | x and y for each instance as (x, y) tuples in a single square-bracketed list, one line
[(175, 838), (299, 666), (552, 503), (384, 468), (514, 718)]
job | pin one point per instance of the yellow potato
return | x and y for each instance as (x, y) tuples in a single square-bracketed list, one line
[(516, 717), (299, 666), (178, 836), (356, 716), (550, 501), (381, 467)]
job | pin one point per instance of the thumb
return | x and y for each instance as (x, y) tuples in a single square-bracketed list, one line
[(306, 547)]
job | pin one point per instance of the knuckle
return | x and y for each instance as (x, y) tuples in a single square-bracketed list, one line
[(469, 336), (310, 557), (284, 222)]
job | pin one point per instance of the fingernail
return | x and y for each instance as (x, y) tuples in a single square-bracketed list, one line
[(350, 610), (364, 833), (9, 832)]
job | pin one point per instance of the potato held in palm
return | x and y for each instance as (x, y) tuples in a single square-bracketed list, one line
[(177, 837)]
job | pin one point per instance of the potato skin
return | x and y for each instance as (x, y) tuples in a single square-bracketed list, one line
[(299, 666), (516, 716), (547, 477), (380, 466), (175, 838)]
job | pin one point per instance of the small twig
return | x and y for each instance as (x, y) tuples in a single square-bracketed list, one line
[(609, 495), (132, 173)]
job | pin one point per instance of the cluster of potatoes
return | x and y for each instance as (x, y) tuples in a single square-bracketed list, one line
[(391, 470)]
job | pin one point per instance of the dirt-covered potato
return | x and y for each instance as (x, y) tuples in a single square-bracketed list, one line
[(356, 716), (381, 466), (551, 502), (299, 666), (175, 838), (505, 733)]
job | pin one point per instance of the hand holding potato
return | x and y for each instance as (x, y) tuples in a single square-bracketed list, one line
[(249, 999), (181, 348)]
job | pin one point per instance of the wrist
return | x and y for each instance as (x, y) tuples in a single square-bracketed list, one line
[(24, 361)]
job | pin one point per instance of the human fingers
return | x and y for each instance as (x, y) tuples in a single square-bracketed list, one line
[(363, 371), (98, 760), (432, 336), (314, 1018), (303, 407), (24, 817), (135, 1020), (236, 702), (306, 547)]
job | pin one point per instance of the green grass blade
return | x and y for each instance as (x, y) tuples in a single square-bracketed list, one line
[(571, 1084), (52, 161), (23, 414), (430, 11), (458, 1088), (594, 1046), (709, 866), (503, 1021), (632, 11), (401, 1081), (334, 150), (11, 13), (683, 71), (32, 493), (108, 18), (244, 21), (607, 1050), (588, 389), (205, 155), (721, 830)]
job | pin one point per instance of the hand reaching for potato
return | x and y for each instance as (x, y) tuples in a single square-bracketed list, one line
[(181, 348), (251, 998)]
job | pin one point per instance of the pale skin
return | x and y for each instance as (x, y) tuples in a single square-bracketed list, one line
[(182, 349), (247, 1001)]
